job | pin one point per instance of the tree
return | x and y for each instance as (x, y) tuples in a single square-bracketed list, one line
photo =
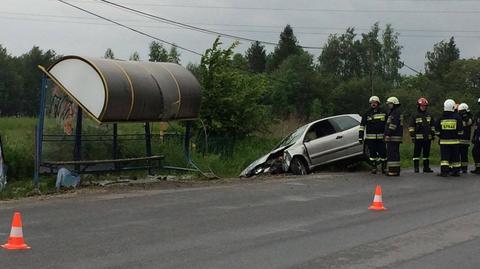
[(174, 55), (293, 86), (287, 45), (31, 78), (391, 52), (256, 57), (11, 88), (371, 56), (109, 54), (439, 60), (231, 99), (239, 62), (135, 56), (157, 52), (341, 56)]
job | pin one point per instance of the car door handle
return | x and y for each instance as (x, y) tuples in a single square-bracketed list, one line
[(339, 137)]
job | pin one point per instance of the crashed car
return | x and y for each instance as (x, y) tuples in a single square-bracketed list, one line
[(320, 142)]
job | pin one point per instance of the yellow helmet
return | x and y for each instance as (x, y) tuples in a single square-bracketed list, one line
[(393, 100), (374, 99)]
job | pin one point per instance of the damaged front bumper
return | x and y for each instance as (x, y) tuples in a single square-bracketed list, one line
[(276, 162)]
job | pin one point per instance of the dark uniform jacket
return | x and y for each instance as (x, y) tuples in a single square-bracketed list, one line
[(394, 126), (476, 131), (449, 128), (422, 126), (373, 122), (467, 123)]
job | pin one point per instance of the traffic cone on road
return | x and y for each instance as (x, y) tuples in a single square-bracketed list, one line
[(377, 200), (15, 241)]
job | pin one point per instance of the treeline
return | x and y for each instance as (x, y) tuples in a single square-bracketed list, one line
[(245, 93), (20, 81)]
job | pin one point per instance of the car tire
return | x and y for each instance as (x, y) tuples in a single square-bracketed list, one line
[(298, 166)]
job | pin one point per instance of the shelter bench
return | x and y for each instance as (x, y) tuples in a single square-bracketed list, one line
[(85, 166)]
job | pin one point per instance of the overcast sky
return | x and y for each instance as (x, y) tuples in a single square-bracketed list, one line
[(53, 25)]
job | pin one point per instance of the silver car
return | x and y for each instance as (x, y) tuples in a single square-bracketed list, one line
[(319, 142)]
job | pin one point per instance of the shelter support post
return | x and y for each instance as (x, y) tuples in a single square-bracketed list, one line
[(148, 143), (39, 133), (77, 154), (115, 144)]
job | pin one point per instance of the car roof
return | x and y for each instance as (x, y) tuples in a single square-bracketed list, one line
[(355, 116)]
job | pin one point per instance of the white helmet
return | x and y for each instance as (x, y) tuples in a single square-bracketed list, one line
[(449, 105), (478, 100), (374, 99), (463, 106), (393, 100)]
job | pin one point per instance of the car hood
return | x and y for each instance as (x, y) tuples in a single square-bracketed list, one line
[(249, 170)]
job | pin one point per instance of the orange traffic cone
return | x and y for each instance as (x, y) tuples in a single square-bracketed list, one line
[(15, 241), (377, 200)]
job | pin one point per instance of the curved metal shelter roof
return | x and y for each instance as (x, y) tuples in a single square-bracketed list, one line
[(116, 91)]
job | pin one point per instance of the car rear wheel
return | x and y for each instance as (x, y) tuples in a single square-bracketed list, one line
[(298, 166)]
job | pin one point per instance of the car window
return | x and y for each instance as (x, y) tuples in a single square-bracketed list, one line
[(318, 130), (290, 139), (344, 123)]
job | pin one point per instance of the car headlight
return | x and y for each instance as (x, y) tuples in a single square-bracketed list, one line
[(258, 170)]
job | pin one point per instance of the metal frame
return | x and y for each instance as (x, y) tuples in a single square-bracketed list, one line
[(77, 156)]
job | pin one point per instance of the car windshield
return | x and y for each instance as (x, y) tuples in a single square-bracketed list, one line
[(292, 137)]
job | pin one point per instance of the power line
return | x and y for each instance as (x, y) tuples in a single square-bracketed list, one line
[(400, 30), (411, 68), (293, 9), (241, 30), (194, 28), (130, 28)]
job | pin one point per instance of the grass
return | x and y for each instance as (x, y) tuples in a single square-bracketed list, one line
[(24, 188), (18, 137), (223, 157), (406, 153)]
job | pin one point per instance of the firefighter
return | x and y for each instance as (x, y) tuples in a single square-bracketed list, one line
[(371, 131), (467, 123), (422, 132), (476, 143), (393, 136), (449, 129)]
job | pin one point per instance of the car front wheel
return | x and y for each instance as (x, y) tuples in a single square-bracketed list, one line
[(298, 166)]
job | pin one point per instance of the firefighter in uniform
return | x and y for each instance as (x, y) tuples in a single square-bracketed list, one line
[(422, 132), (467, 123), (393, 136), (449, 129), (476, 143), (371, 131)]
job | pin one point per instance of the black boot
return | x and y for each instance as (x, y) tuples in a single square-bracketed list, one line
[(393, 172), (443, 171), (464, 169), (384, 167), (455, 172), (426, 166), (416, 164)]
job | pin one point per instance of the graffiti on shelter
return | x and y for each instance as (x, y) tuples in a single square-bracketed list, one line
[(63, 109)]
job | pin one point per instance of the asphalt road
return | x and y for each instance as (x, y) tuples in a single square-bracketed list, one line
[(317, 221)]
